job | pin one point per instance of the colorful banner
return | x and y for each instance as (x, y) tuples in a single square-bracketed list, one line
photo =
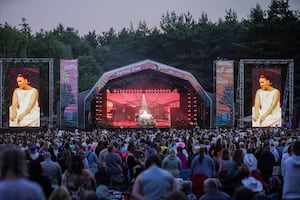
[(69, 93), (224, 93)]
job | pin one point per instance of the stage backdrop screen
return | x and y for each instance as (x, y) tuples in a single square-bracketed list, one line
[(137, 108), (266, 97), (224, 93), (24, 109)]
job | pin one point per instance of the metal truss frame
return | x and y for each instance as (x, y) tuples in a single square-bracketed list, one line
[(288, 92)]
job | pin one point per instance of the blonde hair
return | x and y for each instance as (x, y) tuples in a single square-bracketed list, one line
[(60, 193)]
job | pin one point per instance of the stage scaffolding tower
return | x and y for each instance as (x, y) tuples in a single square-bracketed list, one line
[(25, 61), (288, 91)]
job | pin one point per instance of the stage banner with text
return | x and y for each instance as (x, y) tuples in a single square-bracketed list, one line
[(69, 93), (224, 92)]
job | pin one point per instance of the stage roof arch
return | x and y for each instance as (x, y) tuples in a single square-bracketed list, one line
[(142, 66)]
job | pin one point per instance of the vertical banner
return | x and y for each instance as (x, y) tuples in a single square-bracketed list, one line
[(69, 93), (224, 93), (266, 98)]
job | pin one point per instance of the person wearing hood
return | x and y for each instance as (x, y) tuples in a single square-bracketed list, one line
[(250, 160), (291, 174), (172, 164)]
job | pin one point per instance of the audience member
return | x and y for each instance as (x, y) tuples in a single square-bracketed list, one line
[(153, 182), (203, 164), (141, 143), (243, 193), (103, 193), (291, 174), (172, 164), (51, 170), (212, 190), (60, 193), (13, 177), (35, 174), (113, 168), (78, 180), (92, 160)]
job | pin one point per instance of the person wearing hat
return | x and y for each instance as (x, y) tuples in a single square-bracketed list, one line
[(182, 157), (253, 184), (250, 160)]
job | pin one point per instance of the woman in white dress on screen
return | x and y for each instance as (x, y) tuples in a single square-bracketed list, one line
[(24, 110), (266, 111)]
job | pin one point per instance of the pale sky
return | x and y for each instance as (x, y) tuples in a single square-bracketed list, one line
[(101, 15)]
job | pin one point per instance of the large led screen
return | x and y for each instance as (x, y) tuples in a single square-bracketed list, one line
[(266, 97), (141, 108), (24, 109)]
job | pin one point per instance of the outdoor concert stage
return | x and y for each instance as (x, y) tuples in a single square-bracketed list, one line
[(146, 94)]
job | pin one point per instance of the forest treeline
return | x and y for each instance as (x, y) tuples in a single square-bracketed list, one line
[(180, 41)]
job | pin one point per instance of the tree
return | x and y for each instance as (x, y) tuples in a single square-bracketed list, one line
[(89, 72), (257, 15)]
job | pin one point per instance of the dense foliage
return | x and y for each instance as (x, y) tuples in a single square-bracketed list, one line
[(180, 41)]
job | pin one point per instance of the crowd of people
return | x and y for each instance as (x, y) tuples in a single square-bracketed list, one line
[(252, 163)]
